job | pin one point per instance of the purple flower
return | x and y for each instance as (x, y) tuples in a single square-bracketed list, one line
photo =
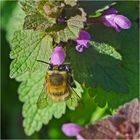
[(58, 56), (110, 18), (82, 40), (61, 20), (71, 129)]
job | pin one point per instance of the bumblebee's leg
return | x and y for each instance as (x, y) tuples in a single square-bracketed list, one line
[(72, 83)]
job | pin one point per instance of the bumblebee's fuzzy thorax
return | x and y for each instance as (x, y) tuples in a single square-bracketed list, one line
[(56, 79)]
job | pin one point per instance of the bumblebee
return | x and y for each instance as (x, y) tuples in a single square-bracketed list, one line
[(58, 83)]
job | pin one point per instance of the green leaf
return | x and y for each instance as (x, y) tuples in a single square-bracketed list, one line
[(84, 110), (129, 64), (29, 7), (106, 49), (99, 65), (38, 19), (74, 25), (59, 109), (37, 22), (15, 22), (70, 2), (53, 8), (28, 47)]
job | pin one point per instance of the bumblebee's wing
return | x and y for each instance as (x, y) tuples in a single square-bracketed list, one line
[(74, 99), (42, 101), (75, 94), (76, 90)]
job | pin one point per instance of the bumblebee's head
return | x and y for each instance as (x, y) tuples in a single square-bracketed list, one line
[(63, 67)]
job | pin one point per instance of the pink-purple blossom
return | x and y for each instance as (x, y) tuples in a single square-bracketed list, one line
[(72, 130), (112, 19), (61, 20), (58, 56), (82, 40)]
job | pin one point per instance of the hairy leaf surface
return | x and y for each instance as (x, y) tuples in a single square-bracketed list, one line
[(28, 47), (71, 31), (70, 2), (37, 22), (104, 69), (129, 65)]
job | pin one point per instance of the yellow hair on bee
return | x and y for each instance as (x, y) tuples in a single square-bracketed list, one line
[(57, 85)]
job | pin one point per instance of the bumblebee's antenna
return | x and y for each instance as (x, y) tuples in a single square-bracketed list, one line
[(43, 62)]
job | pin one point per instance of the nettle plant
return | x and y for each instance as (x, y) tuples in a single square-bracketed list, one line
[(60, 32)]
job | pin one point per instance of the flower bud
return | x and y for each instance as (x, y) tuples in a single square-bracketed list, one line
[(58, 56)]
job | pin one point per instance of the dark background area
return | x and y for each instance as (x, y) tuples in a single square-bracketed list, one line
[(11, 106)]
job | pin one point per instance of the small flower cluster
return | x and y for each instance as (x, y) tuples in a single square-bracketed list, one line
[(82, 40), (109, 18), (58, 55), (112, 19)]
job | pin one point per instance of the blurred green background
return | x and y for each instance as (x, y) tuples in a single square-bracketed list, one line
[(12, 107)]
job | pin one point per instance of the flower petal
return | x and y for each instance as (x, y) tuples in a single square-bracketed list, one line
[(122, 21), (87, 46), (84, 35), (108, 20), (79, 137), (82, 42), (110, 11), (79, 48), (71, 129), (118, 29), (83, 38), (58, 56)]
